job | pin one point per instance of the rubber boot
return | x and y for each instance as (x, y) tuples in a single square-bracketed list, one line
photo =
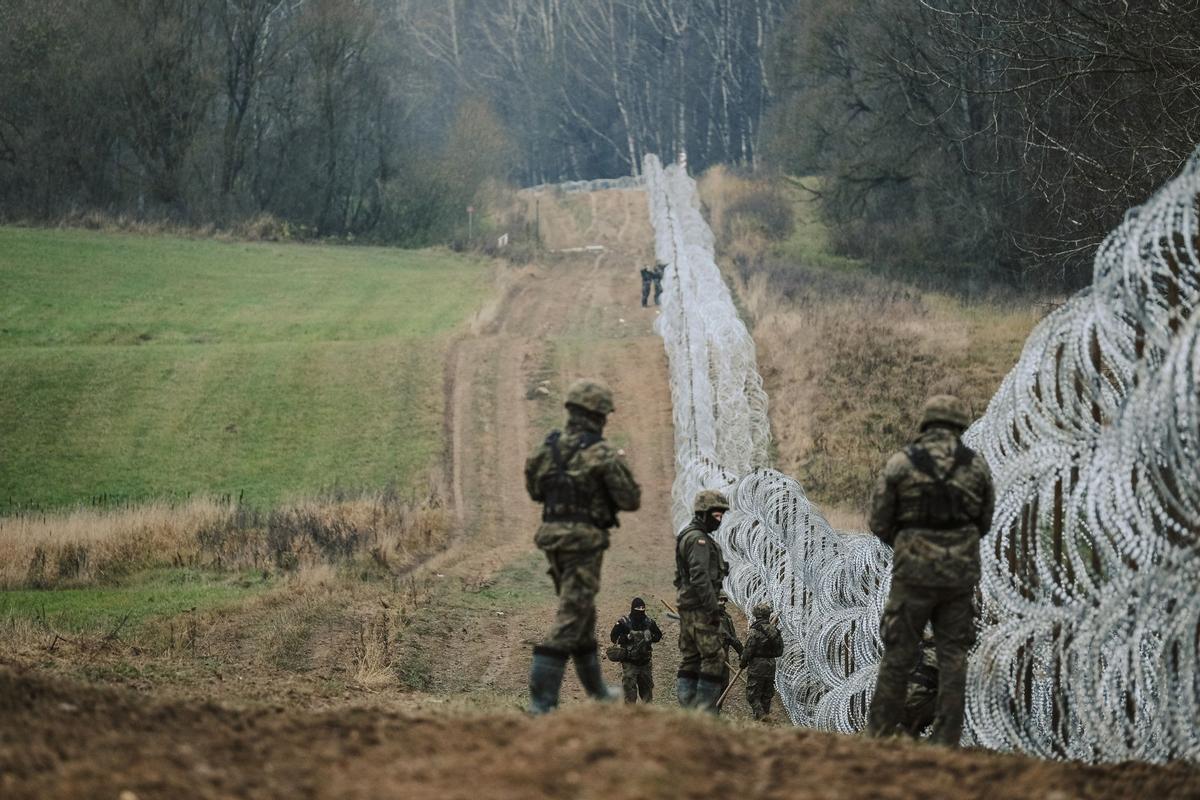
[(685, 689), (545, 679), (587, 667), (708, 692)]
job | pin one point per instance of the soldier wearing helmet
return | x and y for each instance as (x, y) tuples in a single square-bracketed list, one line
[(764, 644), (932, 504), (700, 568), (581, 482)]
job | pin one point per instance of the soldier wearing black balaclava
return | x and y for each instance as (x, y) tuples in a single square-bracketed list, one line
[(700, 569), (636, 634)]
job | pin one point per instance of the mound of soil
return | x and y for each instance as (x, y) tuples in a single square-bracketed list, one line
[(66, 741)]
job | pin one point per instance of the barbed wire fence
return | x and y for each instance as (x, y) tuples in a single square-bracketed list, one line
[(1090, 630)]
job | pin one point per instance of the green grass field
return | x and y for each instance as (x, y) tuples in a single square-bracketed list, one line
[(136, 366), (155, 593)]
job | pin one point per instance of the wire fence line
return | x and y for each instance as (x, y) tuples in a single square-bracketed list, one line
[(1089, 632)]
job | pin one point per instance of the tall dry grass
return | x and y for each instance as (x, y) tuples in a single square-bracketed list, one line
[(848, 357), (383, 530)]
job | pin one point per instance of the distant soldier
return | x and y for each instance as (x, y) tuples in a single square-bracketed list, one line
[(581, 482), (660, 269), (764, 644), (648, 279), (699, 570), (932, 504), (636, 634), (729, 639)]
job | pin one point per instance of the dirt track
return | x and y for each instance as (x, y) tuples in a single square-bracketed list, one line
[(465, 650)]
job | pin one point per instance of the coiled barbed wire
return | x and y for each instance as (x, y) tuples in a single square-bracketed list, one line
[(1089, 636)]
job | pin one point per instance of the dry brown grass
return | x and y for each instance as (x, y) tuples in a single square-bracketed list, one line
[(383, 530), (848, 358)]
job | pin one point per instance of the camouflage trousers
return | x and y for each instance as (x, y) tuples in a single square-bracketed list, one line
[(909, 607), (760, 690), (637, 679), (920, 709), (700, 648), (576, 577)]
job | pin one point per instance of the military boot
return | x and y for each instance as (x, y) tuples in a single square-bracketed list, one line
[(685, 689), (545, 679), (587, 667), (708, 692)]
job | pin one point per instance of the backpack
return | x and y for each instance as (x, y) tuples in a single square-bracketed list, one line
[(941, 504)]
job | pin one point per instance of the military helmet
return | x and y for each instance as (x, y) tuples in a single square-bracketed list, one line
[(710, 500), (946, 409), (762, 611), (591, 396)]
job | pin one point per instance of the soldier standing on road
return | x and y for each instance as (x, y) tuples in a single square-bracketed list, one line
[(581, 482), (660, 269), (637, 634), (763, 645), (729, 641), (699, 570), (932, 504), (647, 279)]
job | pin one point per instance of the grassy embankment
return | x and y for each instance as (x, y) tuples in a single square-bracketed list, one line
[(184, 421), (848, 356)]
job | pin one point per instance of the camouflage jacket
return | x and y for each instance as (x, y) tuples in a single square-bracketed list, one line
[(729, 637), (600, 484), (699, 570), (935, 530), (764, 644), (648, 274)]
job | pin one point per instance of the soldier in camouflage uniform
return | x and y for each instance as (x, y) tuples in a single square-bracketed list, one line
[(581, 482), (729, 641), (932, 504), (637, 634), (653, 276), (700, 569), (763, 645)]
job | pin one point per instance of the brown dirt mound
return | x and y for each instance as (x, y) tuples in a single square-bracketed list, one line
[(60, 740)]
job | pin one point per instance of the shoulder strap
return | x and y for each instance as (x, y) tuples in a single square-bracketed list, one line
[(921, 459)]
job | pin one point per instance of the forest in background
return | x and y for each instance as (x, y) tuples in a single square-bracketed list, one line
[(970, 142)]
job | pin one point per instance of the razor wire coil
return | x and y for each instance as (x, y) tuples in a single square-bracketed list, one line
[(1088, 639)]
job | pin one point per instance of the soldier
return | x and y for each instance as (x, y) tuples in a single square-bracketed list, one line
[(660, 269), (637, 634), (648, 277), (763, 645), (932, 504), (729, 640), (581, 482), (699, 570)]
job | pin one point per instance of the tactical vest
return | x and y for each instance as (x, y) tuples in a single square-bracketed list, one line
[(939, 504), (567, 496), (637, 643), (773, 647)]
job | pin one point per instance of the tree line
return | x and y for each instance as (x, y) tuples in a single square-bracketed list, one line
[(991, 137), (220, 110), (381, 118)]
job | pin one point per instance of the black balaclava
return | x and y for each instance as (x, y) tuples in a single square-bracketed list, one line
[(708, 522), (637, 619)]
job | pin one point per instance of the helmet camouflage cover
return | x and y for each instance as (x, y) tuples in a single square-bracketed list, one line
[(710, 500), (762, 611), (590, 395), (946, 409)]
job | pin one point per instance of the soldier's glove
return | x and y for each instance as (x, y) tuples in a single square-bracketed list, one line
[(743, 662)]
